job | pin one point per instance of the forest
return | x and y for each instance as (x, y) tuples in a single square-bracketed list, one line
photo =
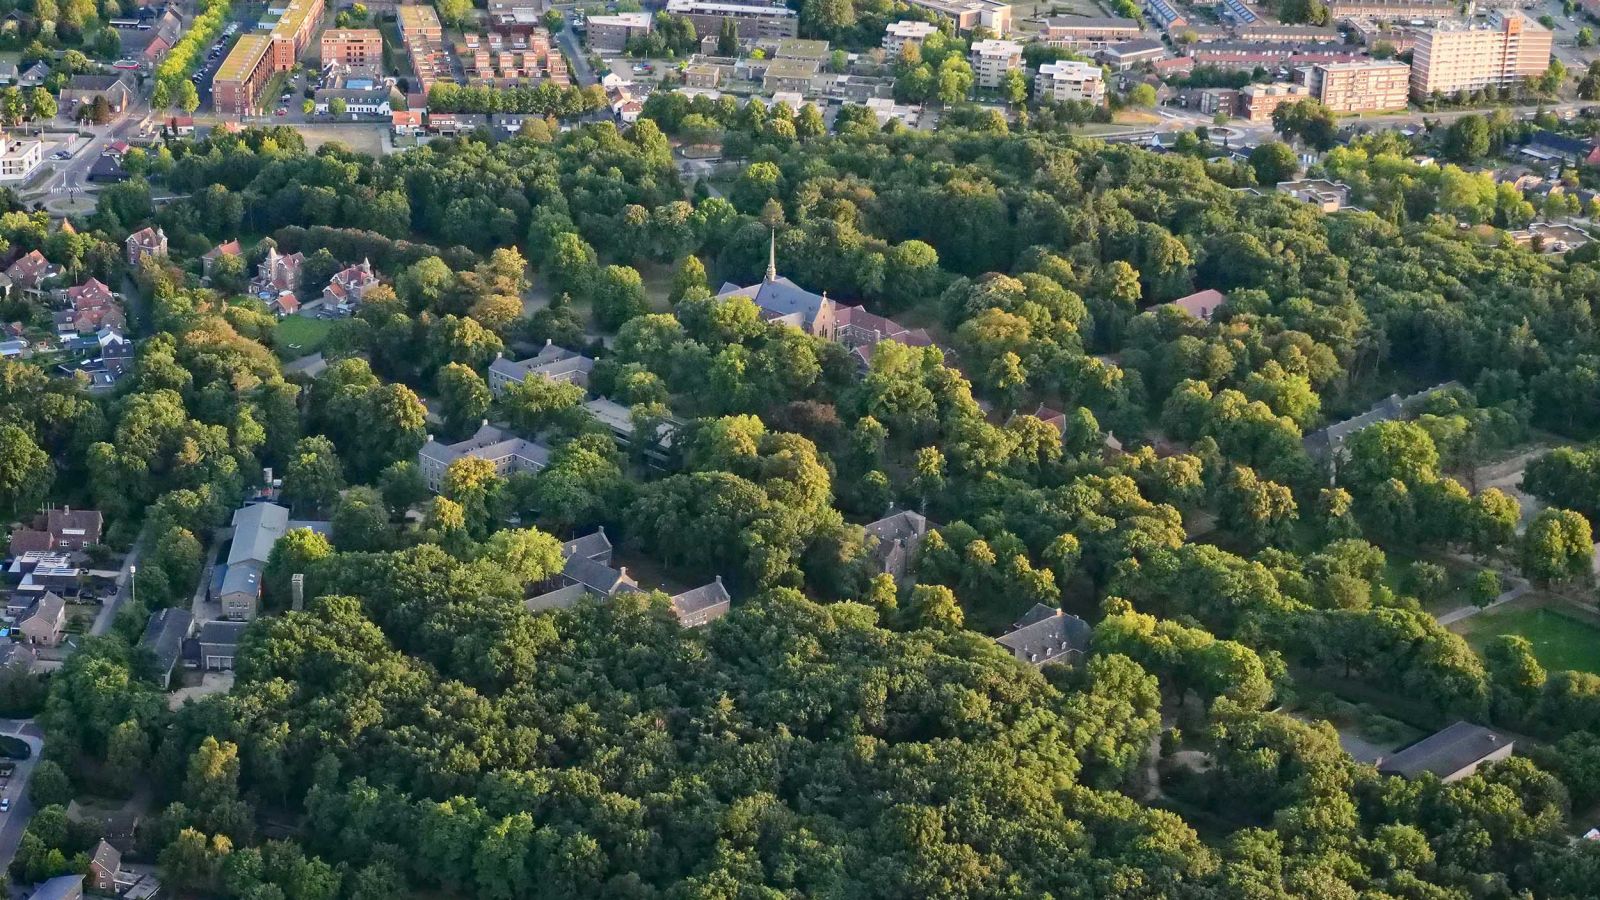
[(415, 731)]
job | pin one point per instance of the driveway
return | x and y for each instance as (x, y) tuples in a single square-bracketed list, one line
[(13, 823), (1518, 588)]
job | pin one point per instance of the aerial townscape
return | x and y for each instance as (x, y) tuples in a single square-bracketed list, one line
[(748, 450)]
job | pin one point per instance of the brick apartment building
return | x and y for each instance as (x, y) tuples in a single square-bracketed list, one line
[(352, 46), (1257, 101)]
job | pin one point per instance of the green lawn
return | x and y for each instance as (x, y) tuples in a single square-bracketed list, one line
[(1559, 641), (298, 336)]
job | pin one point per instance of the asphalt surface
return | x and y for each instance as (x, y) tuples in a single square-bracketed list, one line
[(13, 823), (125, 588)]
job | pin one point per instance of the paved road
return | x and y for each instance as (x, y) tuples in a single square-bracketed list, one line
[(14, 822), (1518, 588), (580, 63), (108, 609)]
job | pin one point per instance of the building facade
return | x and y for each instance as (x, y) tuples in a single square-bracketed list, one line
[(1358, 86), (1070, 80), (352, 46), (19, 157), (898, 34), (1091, 33), (1455, 57), (613, 33), (1257, 101), (752, 21), (240, 77), (970, 14), (992, 59)]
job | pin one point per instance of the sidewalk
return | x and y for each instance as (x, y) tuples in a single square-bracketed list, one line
[(1518, 588)]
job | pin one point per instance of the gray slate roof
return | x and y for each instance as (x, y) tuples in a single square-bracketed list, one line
[(701, 598), (243, 578), (61, 887), (560, 598), (594, 545), (164, 635), (255, 529), (779, 297), (220, 633), (1045, 634), (1446, 752), (488, 442)]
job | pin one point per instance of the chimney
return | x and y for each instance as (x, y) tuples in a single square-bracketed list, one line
[(429, 439), (601, 529), (266, 476), (297, 591), (548, 342), (483, 423), (719, 579), (499, 355)]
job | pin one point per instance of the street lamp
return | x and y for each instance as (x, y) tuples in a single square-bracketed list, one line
[(133, 583)]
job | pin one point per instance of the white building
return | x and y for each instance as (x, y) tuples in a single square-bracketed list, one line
[(899, 34), (992, 59), (1067, 79), (19, 157)]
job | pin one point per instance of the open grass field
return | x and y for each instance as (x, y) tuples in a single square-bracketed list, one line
[(298, 336), (1559, 641)]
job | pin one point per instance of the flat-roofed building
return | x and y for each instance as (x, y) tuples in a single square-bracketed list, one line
[(1358, 86), (352, 46), (1393, 9), (1067, 80), (294, 32), (1257, 101), (242, 73), (992, 59), (614, 32), (419, 22), (1454, 57), (1129, 54), (752, 21), (970, 14), (19, 157), (1087, 31), (898, 34)]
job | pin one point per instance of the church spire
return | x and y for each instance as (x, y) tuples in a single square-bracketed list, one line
[(772, 255)]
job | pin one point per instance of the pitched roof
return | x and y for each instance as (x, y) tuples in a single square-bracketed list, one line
[(779, 297), (902, 525), (97, 83), (164, 634), (61, 887), (597, 576), (94, 291), (590, 546), (1045, 634), (219, 632), (700, 599), (1446, 752), (563, 597), (230, 248), (148, 238), (74, 522), (488, 442), (106, 857), (255, 529), (49, 609), (25, 539), (1200, 304)]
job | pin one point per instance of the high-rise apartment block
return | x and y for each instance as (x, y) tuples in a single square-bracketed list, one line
[(1455, 57)]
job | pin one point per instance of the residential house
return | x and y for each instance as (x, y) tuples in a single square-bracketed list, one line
[(406, 121), (104, 864), (1449, 755), (350, 285), (163, 637), (552, 362), (82, 89), (63, 529), (217, 644), (151, 242), (34, 75), (209, 259), (894, 542), (508, 452), (61, 887), (95, 307), (18, 657), (1047, 635), (1201, 304), (277, 273), (42, 623), (1328, 196), (31, 270), (702, 605)]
